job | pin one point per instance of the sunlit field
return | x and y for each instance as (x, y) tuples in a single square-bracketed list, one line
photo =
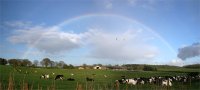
[(30, 78)]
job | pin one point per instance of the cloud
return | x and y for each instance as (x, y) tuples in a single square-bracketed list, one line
[(132, 2), (146, 4), (108, 5), (177, 62), (18, 24), (189, 51), (47, 39), (126, 46)]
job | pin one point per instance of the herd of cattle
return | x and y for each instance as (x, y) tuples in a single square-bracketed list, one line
[(157, 80)]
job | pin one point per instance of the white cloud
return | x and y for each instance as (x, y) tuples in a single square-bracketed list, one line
[(47, 39), (177, 62), (146, 4), (132, 2), (108, 4), (127, 46), (130, 45)]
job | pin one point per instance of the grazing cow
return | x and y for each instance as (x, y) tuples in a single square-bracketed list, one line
[(93, 74), (105, 76), (71, 79), (44, 76), (152, 80), (142, 80), (166, 82), (89, 79), (53, 73), (121, 81), (131, 81), (61, 77), (72, 74)]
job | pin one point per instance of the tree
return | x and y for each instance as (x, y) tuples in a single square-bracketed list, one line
[(3, 61), (26, 62), (45, 62), (61, 64), (84, 65), (149, 68), (70, 66), (14, 62), (35, 62), (52, 63)]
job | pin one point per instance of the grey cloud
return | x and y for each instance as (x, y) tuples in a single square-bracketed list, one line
[(189, 51)]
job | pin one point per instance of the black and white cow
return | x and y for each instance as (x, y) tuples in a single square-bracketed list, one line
[(121, 81), (60, 77), (132, 81), (167, 82), (89, 79)]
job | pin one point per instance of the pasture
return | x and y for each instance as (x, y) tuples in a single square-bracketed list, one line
[(31, 77)]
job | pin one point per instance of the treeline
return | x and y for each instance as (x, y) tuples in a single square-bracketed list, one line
[(193, 66), (143, 67), (46, 62)]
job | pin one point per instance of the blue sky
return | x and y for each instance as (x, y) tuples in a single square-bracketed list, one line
[(100, 31)]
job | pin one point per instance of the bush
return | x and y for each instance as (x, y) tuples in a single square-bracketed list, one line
[(149, 68)]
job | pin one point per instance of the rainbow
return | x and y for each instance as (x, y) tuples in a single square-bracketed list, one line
[(77, 18)]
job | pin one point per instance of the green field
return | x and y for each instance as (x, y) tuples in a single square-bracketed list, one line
[(31, 76)]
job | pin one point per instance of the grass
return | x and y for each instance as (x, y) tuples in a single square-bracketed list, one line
[(29, 79)]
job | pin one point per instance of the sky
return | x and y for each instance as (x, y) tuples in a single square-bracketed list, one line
[(101, 31)]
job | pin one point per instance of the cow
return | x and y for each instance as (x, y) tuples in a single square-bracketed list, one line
[(89, 79), (71, 79), (121, 81), (72, 74), (61, 77), (142, 80), (53, 73), (44, 76), (167, 82), (131, 81)]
